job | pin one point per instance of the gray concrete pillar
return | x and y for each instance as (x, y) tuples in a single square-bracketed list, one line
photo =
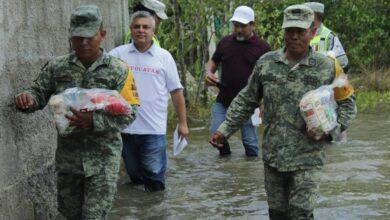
[(31, 33)]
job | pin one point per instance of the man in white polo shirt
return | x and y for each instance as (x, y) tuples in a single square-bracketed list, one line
[(155, 74)]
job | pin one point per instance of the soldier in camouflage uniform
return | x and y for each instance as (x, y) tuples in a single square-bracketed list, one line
[(87, 161), (292, 157)]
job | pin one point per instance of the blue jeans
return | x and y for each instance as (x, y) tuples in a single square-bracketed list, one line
[(145, 160), (248, 131)]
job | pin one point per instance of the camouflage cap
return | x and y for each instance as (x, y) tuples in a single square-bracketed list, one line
[(85, 21), (316, 7), (299, 16), (156, 6)]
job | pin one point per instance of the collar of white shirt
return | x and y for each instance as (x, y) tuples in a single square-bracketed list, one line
[(151, 50)]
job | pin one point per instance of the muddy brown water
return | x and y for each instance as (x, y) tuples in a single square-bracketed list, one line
[(200, 185)]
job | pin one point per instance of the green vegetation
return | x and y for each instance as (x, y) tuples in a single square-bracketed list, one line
[(370, 101), (361, 25), (372, 89), (372, 80), (363, 28)]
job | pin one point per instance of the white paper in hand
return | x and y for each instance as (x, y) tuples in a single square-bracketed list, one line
[(179, 143), (256, 120)]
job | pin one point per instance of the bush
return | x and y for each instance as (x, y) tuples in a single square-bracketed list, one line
[(361, 25), (372, 80), (370, 101), (363, 28)]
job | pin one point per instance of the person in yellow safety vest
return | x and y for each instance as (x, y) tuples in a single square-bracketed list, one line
[(154, 7), (325, 40)]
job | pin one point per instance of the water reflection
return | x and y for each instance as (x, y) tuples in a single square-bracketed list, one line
[(355, 183)]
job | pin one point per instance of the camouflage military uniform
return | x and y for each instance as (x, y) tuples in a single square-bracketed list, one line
[(291, 159), (88, 160)]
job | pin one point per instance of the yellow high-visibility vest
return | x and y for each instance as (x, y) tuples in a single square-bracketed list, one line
[(320, 43)]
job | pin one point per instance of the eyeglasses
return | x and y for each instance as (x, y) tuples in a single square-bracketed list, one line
[(139, 26)]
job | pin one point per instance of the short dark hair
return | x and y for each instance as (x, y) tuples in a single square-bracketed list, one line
[(143, 14)]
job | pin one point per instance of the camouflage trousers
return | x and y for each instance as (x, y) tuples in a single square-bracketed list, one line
[(291, 195), (81, 197)]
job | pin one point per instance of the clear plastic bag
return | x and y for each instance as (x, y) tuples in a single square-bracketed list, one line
[(318, 107), (85, 100)]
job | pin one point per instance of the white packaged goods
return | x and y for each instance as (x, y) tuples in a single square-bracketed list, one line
[(255, 118), (179, 143), (318, 108), (86, 100)]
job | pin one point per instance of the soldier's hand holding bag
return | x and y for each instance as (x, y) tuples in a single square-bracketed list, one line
[(64, 106), (318, 108)]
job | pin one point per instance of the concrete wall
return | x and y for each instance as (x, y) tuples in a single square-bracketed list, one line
[(31, 33)]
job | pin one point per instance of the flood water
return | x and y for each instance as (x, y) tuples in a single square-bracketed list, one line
[(355, 182)]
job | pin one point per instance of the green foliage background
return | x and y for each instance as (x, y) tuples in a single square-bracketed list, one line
[(362, 26)]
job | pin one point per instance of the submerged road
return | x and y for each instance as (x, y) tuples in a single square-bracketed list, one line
[(355, 182)]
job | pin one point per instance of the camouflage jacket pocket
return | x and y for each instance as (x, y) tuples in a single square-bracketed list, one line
[(63, 81), (101, 82), (312, 82), (298, 121), (273, 86)]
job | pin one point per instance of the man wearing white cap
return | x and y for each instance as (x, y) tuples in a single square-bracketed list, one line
[(325, 40), (154, 7), (237, 53)]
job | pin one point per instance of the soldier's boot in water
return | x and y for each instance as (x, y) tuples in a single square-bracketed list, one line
[(154, 186), (136, 180), (277, 215)]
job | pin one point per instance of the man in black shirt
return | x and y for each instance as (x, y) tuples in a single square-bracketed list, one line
[(237, 53)]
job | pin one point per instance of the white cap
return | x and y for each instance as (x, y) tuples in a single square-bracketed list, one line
[(243, 14)]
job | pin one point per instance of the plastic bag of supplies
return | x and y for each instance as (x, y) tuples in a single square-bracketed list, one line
[(85, 100), (318, 107)]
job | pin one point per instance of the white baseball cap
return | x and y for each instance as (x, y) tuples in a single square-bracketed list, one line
[(243, 14)]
